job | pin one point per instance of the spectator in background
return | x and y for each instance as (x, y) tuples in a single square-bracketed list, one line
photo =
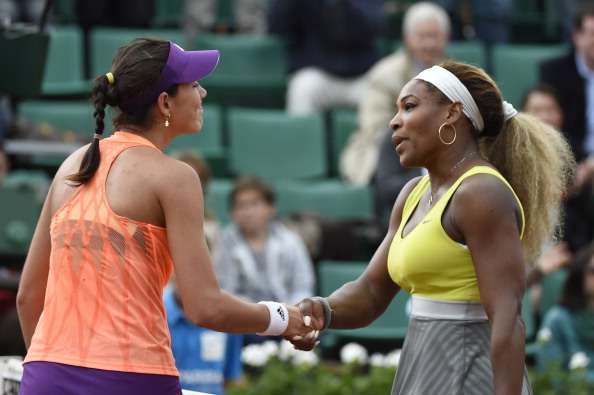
[(129, 13), (248, 17), (426, 29), (567, 333), (572, 78), (331, 46), (259, 258), (565, 10), (542, 102), (212, 228), (489, 19), (207, 360), (20, 11)]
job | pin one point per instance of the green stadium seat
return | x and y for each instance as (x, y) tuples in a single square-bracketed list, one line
[(516, 68), (18, 221), (471, 52), (392, 325), (64, 73), (63, 117), (552, 289), (217, 199), (209, 141), (24, 53), (168, 13), (28, 180), (69, 120), (274, 145), (65, 121), (104, 43), (529, 318), (330, 199), (251, 72), (344, 124), (318, 197)]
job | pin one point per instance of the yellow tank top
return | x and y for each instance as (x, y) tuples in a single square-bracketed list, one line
[(427, 262)]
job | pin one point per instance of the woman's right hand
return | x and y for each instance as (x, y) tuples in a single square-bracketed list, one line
[(302, 325), (313, 313)]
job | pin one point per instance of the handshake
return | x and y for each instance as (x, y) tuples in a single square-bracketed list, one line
[(306, 320)]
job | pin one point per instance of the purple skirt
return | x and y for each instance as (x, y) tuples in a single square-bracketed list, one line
[(49, 378)]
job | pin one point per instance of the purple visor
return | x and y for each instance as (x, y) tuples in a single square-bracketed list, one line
[(181, 67)]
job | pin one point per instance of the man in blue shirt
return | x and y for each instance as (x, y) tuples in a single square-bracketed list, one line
[(206, 359)]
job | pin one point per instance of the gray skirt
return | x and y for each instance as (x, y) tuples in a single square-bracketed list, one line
[(447, 357)]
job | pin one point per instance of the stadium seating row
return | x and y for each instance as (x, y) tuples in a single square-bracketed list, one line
[(252, 71), (393, 322), (530, 20), (240, 140)]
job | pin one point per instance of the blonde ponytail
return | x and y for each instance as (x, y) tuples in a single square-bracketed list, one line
[(538, 163)]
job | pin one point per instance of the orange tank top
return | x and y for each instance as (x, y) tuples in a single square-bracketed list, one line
[(104, 299)]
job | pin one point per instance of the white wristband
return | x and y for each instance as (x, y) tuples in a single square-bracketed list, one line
[(279, 319)]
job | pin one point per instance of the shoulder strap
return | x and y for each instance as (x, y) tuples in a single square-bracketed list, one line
[(413, 199), (482, 170)]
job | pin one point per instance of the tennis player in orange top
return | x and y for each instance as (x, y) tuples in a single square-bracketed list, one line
[(119, 218)]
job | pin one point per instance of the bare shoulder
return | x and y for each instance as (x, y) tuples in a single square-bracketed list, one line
[(170, 175), (407, 188), (485, 189), (483, 198), (71, 164)]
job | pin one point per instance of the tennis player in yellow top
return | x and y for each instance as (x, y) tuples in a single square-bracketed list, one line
[(460, 237)]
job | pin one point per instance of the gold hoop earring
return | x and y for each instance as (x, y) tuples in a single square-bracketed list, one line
[(441, 138), (167, 121)]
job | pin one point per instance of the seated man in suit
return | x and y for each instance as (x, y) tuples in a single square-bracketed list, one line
[(572, 78)]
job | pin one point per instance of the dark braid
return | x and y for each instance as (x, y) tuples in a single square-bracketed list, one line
[(135, 66)]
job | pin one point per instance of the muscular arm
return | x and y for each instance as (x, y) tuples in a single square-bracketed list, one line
[(33, 282), (486, 213), (204, 302), (360, 302), (31, 293)]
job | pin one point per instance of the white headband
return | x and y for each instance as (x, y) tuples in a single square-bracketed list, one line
[(450, 85), (454, 89)]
